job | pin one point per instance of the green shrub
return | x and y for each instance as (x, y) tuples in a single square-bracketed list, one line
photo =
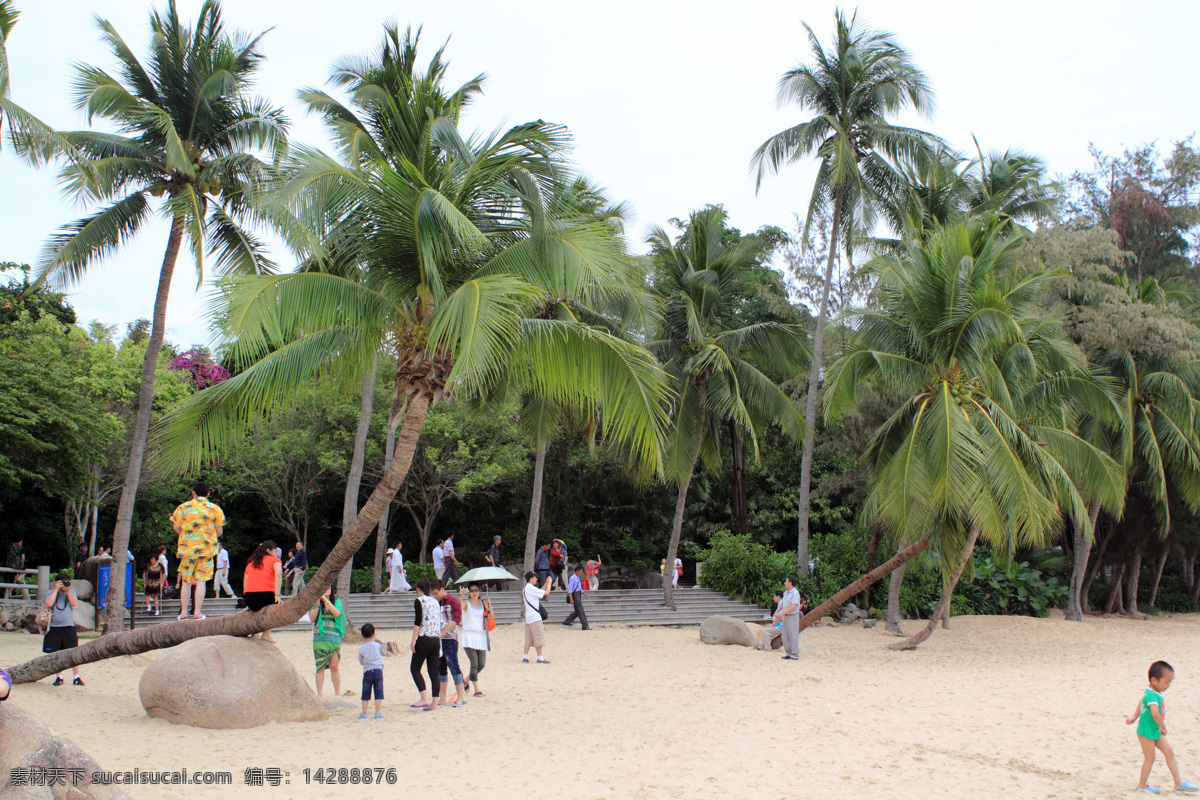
[(737, 566), (1018, 588), (840, 559)]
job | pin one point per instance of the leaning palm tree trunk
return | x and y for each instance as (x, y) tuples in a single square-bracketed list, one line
[(891, 620), (943, 606), (245, 624), (141, 432), (354, 478), (1083, 550), (866, 581), (1159, 565), (677, 527), (535, 507), (814, 386)]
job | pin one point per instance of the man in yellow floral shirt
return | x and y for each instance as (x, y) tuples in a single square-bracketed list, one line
[(198, 523)]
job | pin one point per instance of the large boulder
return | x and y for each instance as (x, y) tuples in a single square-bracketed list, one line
[(83, 588), (90, 572), (726, 630), (29, 748), (85, 616), (227, 682)]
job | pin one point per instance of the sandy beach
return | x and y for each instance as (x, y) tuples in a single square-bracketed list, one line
[(1007, 707)]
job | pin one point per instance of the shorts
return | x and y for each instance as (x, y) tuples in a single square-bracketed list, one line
[(196, 570), (63, 638), (535, 634), (372, 679), (256, 601)]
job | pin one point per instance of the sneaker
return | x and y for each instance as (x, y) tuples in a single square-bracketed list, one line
[(525, 660), (58, 681), (78, 681), (377, 716), (362, 716), (542, 661), (1187, 787)]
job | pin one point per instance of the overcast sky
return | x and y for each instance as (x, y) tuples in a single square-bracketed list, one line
[(666, 100)]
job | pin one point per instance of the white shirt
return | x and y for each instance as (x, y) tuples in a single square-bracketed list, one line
[(791, 597), (223, 559), (449, 549), (162, 559), (279, 553), (532, 595), (439, 558)]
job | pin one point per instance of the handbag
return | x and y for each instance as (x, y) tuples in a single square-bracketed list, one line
[(489, 619), (540, 608)]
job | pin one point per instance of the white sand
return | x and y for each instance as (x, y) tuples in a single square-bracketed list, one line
[(996, 707)]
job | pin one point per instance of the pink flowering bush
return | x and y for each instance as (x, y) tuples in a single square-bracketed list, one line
[(204, 372)]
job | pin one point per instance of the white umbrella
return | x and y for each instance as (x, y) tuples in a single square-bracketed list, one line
[(486, 574)]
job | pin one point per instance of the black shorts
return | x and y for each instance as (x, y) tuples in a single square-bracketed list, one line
[(256, 601), (63, 638), (372, 679)]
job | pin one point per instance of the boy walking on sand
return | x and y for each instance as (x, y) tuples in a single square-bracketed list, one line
[(370, 655), (1152, 728)]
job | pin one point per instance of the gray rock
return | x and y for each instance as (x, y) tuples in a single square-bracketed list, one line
[(83, 588), (726, 630), (85, 616), (227, 682), (831, 624), (26, 741), (870, 623)]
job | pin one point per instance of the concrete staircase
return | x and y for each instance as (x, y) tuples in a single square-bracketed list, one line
[(604, 607)]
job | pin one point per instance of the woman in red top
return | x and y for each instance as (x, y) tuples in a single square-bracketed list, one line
[(263, 580)]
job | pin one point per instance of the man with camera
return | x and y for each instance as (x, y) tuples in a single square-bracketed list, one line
[(62, 636)]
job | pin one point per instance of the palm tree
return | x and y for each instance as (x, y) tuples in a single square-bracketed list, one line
[(720, 372), (430, 232), (978, 447), (31, 137), (185, 123), (853, 87)]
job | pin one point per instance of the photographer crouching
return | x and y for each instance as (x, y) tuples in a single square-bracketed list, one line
[(62, 636)]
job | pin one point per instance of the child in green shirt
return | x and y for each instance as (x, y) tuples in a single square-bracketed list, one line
[(1152, 728)]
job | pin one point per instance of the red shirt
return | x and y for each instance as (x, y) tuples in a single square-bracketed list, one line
[(263, 578)]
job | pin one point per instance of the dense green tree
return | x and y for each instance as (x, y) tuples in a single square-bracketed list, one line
[(977, 447), (185, 125), (852, 87), (721, 370)]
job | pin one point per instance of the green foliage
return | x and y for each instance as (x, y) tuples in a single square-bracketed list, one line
[(737, 566), (840, 559), (1016, 588)]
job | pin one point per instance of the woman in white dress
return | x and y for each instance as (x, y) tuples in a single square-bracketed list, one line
[(398, 583), (474, 632)]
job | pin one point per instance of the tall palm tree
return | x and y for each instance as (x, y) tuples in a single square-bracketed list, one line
[(31, 137), (720, 372), (852, 87), (186, 123), (978, 447)]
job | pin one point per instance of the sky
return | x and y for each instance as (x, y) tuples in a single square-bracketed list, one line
[(666, 101)]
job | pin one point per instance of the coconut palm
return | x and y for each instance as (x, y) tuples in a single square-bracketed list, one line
[(31, 137), (185, 122), (979, 446), (852, 87), (431, 232), (720, 371)]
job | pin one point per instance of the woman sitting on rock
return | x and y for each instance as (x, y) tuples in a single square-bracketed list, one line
[(263, 580)]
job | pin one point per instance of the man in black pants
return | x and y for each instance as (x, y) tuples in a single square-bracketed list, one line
[(575, 589)]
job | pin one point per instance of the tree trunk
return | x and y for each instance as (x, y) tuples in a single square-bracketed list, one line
[(1082, 551), (892, 617), (814, 385), (668, 572), (943, 606), (1131, 584), (740, 507), (1158, 571), (1095, 568), (354, 478), (384, 531), (1114, 602), (864, 599), (1188, 564), (1194, 595), (169, 634), (535, 507), (115, 616), (901, 557)]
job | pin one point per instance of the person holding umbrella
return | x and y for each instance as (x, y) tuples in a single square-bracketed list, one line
[(475, 642)]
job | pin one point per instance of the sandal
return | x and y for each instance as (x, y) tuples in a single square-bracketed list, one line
[(479, 694)]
